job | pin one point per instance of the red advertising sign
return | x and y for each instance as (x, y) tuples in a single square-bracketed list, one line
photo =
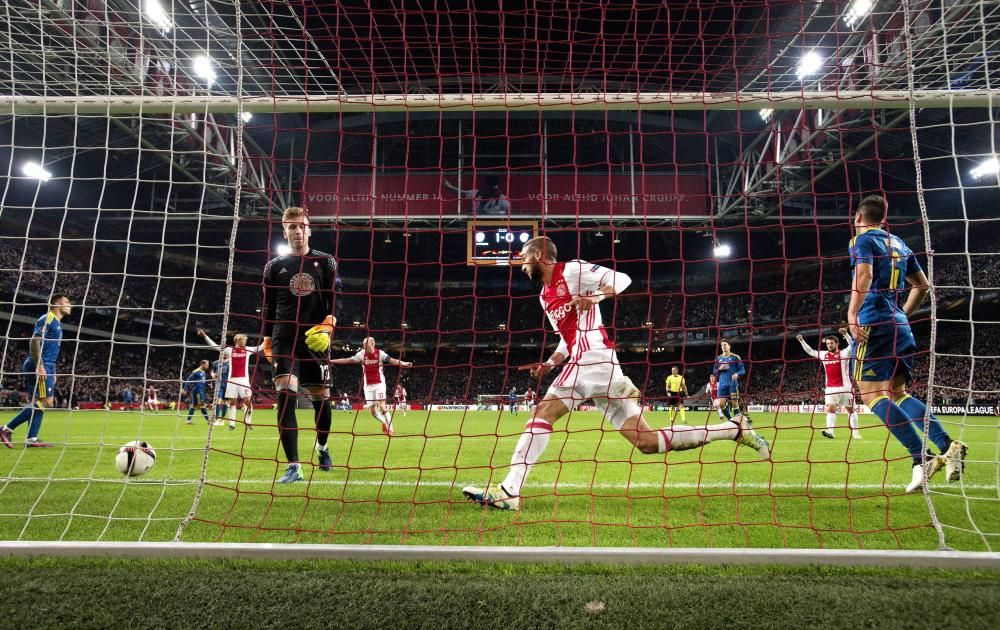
[(580, 194)]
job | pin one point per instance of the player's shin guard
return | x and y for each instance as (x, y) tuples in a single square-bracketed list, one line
[(288, 428), (899, 425), (530, 447), (323, 421), (916, 410)]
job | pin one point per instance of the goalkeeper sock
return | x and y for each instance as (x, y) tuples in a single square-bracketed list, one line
[(899, 425), (288, 428), (530, 447), (916, 409), (323, 422), (22, 416), (831, 421)]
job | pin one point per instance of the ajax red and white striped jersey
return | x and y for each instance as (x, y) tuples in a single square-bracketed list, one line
[(580, 330), (836, 365), (400, 393), (239, 361), (371, 363), (712, 389)]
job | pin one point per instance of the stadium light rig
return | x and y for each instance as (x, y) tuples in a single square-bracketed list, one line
[(157, 16), (34, 170), (989, 166), (810, 64), (246, 116), (283, 250), (765, 114), (202, 67), (722, 250), (857, 12)]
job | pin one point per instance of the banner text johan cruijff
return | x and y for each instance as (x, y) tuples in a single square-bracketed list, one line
[(583, 194)]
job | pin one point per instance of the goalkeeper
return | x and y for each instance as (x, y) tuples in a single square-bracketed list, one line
[(300, 306)]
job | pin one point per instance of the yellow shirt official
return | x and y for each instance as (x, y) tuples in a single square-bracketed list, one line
[(675, 384)]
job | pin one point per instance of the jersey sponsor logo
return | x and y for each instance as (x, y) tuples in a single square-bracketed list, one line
[(302, 284), (560, 312), (870, 372)]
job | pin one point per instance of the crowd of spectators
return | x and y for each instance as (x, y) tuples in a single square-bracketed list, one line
[(465, 340)]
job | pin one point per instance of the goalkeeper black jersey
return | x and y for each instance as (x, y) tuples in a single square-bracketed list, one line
[(299, 292)]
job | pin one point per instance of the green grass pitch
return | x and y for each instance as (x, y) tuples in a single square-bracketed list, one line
[(590, 489)]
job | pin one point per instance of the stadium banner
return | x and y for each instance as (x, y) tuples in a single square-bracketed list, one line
[(587, 194), (966, 410)]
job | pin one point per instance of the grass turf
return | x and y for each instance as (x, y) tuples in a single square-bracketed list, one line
[(590, 489), (223, 594)]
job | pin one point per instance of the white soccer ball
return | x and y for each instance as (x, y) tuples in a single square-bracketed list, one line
[(135, 459)]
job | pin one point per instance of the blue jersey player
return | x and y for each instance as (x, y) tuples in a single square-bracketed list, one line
[(728, 370), (882, 364), (194, 385), (220, 369), (40, 371), (512, 401)]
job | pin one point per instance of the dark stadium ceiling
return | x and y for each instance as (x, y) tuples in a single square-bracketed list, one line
[(319, 48)]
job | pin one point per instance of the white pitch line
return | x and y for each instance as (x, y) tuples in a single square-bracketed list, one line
[(712, 485)]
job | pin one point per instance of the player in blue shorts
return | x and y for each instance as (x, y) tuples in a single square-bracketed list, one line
[(194, 385), (728, 370), (221, 371), (882, 365), (512, 401), (40, 372)]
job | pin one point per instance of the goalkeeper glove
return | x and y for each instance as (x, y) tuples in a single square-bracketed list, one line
[(318, 337)]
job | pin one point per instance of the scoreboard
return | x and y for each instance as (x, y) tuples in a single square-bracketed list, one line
[(498, 242)]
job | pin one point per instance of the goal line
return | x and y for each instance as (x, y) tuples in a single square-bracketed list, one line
[(953, 560)]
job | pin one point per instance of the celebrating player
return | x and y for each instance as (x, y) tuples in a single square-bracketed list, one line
[(39, 370), (570, 294), (728, 369), (882, 363), (677, 391), (194, 385), (838, 381), (372, 359), (299, 315), (400, 395), (237, 392)]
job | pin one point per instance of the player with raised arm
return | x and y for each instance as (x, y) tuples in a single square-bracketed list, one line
[(728, 369), (238, 392), (300, 308), (39, 370), (677, 391), (194, 386), (882, 363), (839, 391), (372, 359), (570, 294), (400, 395)]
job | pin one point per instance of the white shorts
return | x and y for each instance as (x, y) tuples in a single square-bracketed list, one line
[(598, 376), (839, 397), (238, 388), (374, 394)]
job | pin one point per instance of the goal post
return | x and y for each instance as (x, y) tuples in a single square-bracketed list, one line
[(717, 161)]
